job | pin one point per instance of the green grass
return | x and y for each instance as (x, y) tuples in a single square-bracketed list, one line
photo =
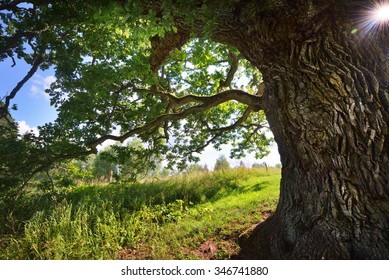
[(172, 218)]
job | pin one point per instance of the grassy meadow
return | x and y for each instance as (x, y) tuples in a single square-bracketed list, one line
[(187, 216)]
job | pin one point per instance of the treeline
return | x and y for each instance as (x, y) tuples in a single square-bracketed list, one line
[(107, 166)]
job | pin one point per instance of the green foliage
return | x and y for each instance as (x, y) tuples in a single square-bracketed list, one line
[(8, 142), (113, 78), (135, 161), (157, 218), (128, 163), (200, 68), (102, 166), (18, 159), (65, 174), (102, 53)]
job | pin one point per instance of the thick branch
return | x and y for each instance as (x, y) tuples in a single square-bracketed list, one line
[(234, 63), (206, 102), (162, 47), (233, 94)]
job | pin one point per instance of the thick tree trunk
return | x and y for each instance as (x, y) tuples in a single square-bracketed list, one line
[(328, 106)]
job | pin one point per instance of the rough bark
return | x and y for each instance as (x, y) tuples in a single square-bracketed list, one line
[(327, 93)]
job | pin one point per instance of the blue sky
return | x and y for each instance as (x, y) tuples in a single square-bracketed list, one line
[(33, 104), (34, 109)]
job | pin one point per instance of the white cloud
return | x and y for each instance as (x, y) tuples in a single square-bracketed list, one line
[(24, 128), (34, 90), (40, 84)]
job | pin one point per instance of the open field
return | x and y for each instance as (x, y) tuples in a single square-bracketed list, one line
[(188, 216)]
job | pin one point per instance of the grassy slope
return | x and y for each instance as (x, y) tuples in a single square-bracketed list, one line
[(184, 217)]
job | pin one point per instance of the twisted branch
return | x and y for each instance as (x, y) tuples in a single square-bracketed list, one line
[(203, 103)]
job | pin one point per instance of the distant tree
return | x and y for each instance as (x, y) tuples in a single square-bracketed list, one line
[(103, 164), (256, 165), (241, 164), (196, 168), (129, 162), (222, 163)]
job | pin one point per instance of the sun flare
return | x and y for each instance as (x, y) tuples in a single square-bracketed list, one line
[(374, 18), (381, 13)]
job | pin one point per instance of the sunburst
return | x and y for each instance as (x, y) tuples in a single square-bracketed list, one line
[(381, 14), (375, 17)]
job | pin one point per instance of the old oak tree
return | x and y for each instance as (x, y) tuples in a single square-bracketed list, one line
[(168, 73)]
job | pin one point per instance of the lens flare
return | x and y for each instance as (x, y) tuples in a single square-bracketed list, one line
[(374, 18), (381, 13)]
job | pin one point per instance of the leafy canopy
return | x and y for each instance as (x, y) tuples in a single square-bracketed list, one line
[(130, 68)]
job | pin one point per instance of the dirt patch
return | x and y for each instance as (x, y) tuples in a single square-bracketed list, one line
[(217, 249), (207, 250), (140, 252)]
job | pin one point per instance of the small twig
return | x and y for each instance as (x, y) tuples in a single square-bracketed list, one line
[(13, 61)]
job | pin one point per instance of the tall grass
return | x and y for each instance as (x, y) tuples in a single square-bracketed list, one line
[(157, 219)]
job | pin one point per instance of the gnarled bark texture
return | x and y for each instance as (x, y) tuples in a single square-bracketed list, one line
[(327, 95)]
